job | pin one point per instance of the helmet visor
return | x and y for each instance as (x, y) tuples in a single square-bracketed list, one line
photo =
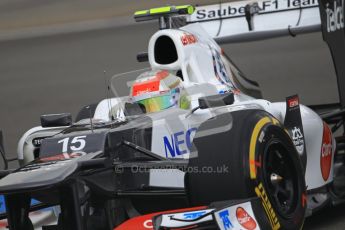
[(159, 103)]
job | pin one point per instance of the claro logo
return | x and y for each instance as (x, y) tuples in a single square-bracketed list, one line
[(326, 152), (335, 16), (245, 220)]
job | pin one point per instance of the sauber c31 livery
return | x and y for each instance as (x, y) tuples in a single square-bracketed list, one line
[(187, 143)]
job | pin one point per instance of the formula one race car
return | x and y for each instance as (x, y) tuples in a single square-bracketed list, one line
[(190, 134)]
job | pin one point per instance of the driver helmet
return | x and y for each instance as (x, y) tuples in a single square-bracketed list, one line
[(159, 90)]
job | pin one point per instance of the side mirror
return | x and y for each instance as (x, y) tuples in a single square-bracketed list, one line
[(55, 120), (142, 57), (216, 100)]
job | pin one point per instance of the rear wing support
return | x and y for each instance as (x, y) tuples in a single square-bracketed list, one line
[(334, 35), (163, 14)]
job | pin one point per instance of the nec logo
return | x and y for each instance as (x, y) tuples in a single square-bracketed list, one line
[(179, 143)]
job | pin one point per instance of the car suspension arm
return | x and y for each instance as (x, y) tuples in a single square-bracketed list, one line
[(143, 150)]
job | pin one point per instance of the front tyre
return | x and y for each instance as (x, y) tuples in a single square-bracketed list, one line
[(261, 161)]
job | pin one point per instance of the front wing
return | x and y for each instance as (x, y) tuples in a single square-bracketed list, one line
[(239, 214)]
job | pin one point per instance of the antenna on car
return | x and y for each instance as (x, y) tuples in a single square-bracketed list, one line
[(163, 14), (107, 96), (90, 115)]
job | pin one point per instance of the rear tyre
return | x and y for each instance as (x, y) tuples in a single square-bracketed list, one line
[(253, 157)]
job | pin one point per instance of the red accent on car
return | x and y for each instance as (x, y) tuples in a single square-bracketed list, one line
[(60, 157), (145, 222), (304, 199), (293, 102), (188, 39), (326, 152), (3, 224), (236, 91), (162, 74), (245, 219)]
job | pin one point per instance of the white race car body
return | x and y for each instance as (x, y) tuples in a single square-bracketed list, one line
[(280, 161), (206, 71)]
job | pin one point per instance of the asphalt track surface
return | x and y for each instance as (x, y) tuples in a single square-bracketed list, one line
[(20, 14), (65, 72)]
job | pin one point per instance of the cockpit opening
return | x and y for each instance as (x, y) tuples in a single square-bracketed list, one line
[(165, 50)]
